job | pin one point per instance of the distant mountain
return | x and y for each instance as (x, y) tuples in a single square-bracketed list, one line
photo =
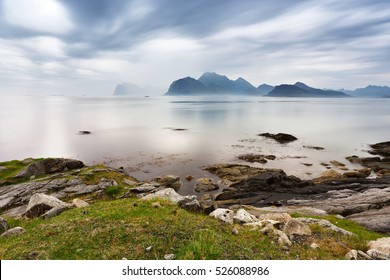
[(265, 89), (370, 91), (128, 89), (187, 86), (302, 90), (213, 84)]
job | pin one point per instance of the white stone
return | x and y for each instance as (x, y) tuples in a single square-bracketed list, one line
[(79, 203), (40, 203), (224, 215), (168, 194), (242, 217)]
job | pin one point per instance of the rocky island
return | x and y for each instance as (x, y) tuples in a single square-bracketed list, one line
[(59, 208)]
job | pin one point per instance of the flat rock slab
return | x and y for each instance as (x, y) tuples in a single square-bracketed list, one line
[(375, 219)]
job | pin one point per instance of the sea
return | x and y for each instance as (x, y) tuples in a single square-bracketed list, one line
[(154, 136)]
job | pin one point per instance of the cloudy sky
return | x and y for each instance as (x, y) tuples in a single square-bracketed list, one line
[(88, 46)]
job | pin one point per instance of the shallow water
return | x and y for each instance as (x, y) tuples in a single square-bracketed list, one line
[(173, 135)]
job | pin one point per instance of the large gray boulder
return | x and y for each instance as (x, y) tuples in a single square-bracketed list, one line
[(41, 203), (168, 194), (295, 227), (381, 245), (48, 166)]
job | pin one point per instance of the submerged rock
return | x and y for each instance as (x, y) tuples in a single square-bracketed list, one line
[(168, 181), (205, 185), (280, 137), (257, 158)]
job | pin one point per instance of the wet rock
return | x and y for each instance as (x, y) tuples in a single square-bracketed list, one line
[(354, 174), (205, 185), (49, 166), (243, 217), (84, 132), (3, 225), (327, 176), (233, 172), (306, 164), (336, 163), (207, 203), (382, 149), (224, 215), (168, 181), (189, 178), (314, 148), (13, 231), (257, 158), (280, 137), (295, 227), (41, 203)]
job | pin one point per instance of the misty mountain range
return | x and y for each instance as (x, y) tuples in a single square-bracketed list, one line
[(211, 83)]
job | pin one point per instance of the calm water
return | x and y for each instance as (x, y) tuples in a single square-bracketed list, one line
[(139, 133)]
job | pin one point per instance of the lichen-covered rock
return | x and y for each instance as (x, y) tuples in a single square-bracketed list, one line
[(224, 215), (41, 203), (14, 231), (243, 217), (324, 224)]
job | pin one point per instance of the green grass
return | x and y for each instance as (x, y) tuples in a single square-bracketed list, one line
[(117, 229)]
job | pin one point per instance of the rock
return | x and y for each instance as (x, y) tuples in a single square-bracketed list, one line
[(243, 217), (79, 203), (190, 203), (224, 215), (53, 212), (324, 224), (314, 147), (306, 164), (49, 166), (3, 225), (207, 203), (351, 255), (382, 245), (257, 158), (295, 227), (205, 185), (3, 168), (40, 203), (129, 182), (374, 219), (377, 255), (302, 210), (280, 137), (314, 246), (283, 218), (354, 174), (331, 174), (168, 181), (148, 249), (233, 172), (189, 178), (156, 204), (168, 194), (283, 239), (84, 132), (336, 163), (14, 231), (382, 149), (235, 231), (144, 188), (169, 256)]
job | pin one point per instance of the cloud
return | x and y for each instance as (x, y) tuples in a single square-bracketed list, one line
[(72, 43), (38, 15)]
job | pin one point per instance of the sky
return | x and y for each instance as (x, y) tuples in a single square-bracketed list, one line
[(87, 47)]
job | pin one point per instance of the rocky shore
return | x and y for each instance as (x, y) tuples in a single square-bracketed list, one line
[(257, 197)]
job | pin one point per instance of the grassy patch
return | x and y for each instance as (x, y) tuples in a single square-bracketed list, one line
[(117, 229), (8, 169)]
